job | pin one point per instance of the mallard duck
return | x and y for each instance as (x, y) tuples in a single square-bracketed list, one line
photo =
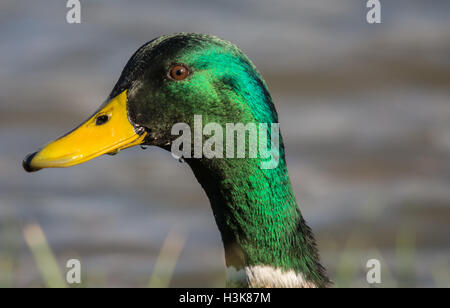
[(169, 80)]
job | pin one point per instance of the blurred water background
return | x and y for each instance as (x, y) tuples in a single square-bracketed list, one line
[(364, 109)]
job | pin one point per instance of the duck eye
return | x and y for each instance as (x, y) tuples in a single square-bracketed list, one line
[(101, 120), (178, 72)]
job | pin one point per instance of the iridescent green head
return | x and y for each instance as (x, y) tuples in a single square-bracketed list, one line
[(173, 78), (167, 81)]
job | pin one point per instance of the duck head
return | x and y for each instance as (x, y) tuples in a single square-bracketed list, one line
[(171, 80), (167, 81)]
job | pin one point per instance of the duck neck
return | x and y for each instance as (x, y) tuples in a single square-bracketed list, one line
[(267, 243)]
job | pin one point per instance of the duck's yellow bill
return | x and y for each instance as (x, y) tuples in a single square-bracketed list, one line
[(107, 131)]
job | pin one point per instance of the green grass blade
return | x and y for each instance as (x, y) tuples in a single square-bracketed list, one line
[(167, 259), (45, 260)]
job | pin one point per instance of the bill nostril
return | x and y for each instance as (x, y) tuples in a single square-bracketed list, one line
[(101, 120)]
